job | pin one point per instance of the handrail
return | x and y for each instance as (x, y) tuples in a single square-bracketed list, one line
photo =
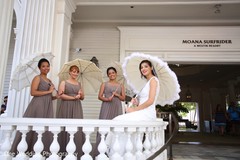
[(172, 134)]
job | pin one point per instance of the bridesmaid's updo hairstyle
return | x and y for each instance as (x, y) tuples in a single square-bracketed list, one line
[(41, 61), (150, 65), (74, 67), (111, 68)]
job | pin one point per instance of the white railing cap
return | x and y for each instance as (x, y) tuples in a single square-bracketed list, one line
[(78, 122)]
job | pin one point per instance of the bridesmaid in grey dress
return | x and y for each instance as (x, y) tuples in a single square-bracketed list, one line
[(41, 106), (111, 94), (71, 107)]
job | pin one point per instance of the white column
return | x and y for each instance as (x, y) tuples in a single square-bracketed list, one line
[(62, 32), (35, 24), (6, 14)]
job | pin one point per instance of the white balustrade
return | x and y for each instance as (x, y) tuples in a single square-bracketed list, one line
[(6, 145), (147, 144), (54, 147), (22, 146), (87, 147), (71, 146), (154, 141), (102, 147), (38, 146), (129, 144), (131, 140), (139, 145), (116, 149)]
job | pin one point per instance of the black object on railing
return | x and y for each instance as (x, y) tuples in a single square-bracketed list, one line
[(172, 133)]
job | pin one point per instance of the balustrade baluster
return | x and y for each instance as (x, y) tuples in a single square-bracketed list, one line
[(147, 144), (54, 147), (6, 145), (153, 141), (116, 146), (22, 146), (102, 147), (71, 147), (150, 136), (87, 147), (38, 146), (158, 139), (129, 144), (139, 145), (162, 135), (40, 154)]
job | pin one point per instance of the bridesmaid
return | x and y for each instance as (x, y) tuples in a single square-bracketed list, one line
[(71, 107), (111, 94), (41, 106)]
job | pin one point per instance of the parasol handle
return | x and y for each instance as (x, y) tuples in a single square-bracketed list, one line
[(54, 87), (117, 88)]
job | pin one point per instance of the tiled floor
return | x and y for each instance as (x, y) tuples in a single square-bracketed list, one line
[(196, 146)]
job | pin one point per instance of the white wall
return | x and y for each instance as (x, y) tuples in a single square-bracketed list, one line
[(101, 41)]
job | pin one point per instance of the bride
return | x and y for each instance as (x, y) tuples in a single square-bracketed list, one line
[(144, 103), (146, 99)]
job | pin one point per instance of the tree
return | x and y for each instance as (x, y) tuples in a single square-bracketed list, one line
[(175, 109)]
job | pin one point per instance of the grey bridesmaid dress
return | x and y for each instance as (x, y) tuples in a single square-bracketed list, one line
[(71, 109), (39, 107)]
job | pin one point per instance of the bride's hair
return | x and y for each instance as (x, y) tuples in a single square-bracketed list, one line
[(150, 65)]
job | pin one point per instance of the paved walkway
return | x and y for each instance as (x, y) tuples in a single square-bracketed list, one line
[(207, 146), (205, 152)]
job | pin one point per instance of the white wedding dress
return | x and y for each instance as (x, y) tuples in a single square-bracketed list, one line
[(147, 114)]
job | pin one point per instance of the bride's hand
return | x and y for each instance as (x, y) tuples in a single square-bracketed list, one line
[(134, 101), (129, 110)]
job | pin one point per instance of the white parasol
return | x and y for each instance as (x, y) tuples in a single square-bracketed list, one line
[(27, 70), (169, 86), (90, 75)]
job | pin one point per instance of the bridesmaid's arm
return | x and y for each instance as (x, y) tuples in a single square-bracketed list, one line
[(100, 94), (61, 90), (34, 88)]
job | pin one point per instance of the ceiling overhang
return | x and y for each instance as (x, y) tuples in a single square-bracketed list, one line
[(160, 12)]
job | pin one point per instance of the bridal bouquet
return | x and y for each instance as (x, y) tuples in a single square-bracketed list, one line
[(134, 103)]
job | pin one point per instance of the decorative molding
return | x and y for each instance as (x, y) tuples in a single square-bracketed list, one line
[(66, 7), (165, 22)]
